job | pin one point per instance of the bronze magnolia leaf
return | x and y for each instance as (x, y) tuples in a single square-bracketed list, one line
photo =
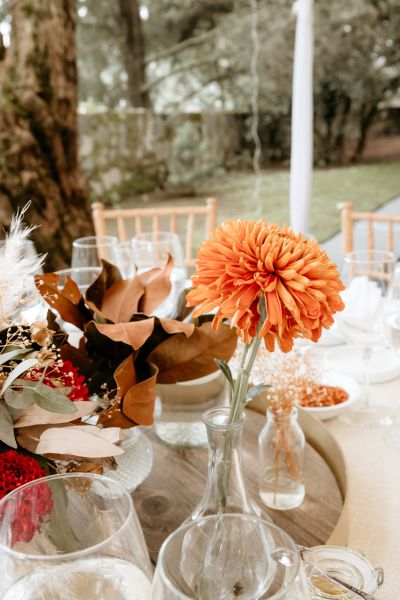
[(172, 326), (138, 402), (182, 359), (157, 283), (72, 312), (182, 310), (135, 401), (114, 417), (125, 375), (71, 290), (107, 277), (121, 300), (134, 334)]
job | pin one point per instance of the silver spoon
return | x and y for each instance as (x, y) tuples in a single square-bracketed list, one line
[(343, 584)]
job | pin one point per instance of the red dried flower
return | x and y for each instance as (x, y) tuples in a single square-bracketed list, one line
[(35, 503), (17, 469), (66, 375)]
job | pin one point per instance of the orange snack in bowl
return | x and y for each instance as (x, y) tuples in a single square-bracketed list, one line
[(314, 395)]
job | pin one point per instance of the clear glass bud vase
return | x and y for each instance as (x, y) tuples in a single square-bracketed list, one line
[(281, 458), (226, 490)]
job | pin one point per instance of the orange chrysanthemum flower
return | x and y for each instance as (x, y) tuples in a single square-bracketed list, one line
[(246, 260)]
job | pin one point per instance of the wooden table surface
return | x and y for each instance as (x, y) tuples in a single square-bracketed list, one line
[(178, 478)]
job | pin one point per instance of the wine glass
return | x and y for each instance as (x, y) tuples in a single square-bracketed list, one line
[(393, 336), (126, 260), (367, 275), (83, 276), (228, 556), (72, 536), (88, 251), (151, 250)]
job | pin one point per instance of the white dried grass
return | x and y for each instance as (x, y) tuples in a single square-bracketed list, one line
[(18, 264)]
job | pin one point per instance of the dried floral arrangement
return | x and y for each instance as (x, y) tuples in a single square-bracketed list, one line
[(43, 397), (294, 378), (274, 286), (125, 350)]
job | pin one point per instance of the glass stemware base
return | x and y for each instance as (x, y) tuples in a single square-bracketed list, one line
[(368, 417)]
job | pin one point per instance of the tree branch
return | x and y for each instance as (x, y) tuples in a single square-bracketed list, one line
[(176, 48), (189, 65)]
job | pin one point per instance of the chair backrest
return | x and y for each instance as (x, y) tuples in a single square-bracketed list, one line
[(129, 221), (348, 219)]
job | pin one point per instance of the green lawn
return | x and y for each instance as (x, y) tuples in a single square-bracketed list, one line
[(366, 186)]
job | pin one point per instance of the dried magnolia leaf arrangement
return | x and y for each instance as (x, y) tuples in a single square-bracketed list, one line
[(125, 350), (43, 397)]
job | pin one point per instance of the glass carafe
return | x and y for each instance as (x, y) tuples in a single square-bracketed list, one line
[(226, 490)]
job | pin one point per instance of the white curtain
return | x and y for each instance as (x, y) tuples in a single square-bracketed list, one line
[(301, 161)]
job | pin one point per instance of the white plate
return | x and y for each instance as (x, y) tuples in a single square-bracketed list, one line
[(338, 379), (384, 363), (135, 464)]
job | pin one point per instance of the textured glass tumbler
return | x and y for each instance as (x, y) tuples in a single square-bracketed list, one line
[(72, 536), (229, 556)]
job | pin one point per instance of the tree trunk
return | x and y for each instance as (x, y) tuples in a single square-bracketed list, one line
[(367, 115), (38, 127), (134, 52)]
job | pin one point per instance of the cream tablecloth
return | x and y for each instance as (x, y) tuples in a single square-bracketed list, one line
[(370, 521)]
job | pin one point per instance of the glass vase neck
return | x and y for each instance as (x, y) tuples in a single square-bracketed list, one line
[(226, 491), (280, 415)]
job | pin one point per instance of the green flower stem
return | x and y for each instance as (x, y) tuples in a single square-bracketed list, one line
[(236, 409), (240, 390)]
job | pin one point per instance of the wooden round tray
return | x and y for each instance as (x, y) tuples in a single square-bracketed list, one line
[(178, 479)]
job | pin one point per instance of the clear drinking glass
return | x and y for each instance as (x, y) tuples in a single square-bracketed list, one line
[(367, 275), (229, 556), (72, 536), (151, 250), (88, 251)]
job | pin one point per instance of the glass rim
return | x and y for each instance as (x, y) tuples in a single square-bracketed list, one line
[(221, 411), (370, 256), (160, 560), (80, 269), (94, 241), (78, 553)]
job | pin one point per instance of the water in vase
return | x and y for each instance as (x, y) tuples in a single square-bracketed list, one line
[(104, 578), (287, 494)]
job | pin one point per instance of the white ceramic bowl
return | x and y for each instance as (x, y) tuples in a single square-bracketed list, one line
[(338, 379)]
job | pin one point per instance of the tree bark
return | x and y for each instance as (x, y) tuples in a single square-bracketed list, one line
[(134, 52), (38, 127), (367, 115)]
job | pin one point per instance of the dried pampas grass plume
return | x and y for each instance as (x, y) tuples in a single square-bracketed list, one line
[(18, 264)]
